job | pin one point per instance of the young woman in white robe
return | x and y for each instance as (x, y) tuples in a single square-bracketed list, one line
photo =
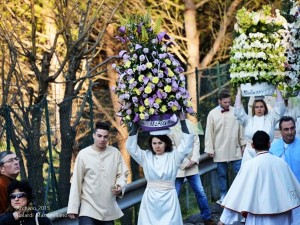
[(160, 204), (261, 119)]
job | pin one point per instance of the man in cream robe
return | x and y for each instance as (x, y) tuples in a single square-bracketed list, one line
[(265, 190), (224, 139), (100, 174)]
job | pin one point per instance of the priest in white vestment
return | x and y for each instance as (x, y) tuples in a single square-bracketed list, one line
[(265, 191)]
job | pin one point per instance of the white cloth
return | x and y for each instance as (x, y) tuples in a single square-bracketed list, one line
[(265, 186), (229, 216), (252, 124), (160, 204), (95, 175)]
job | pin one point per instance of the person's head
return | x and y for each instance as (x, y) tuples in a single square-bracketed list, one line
[(224, 99), (9, 164), (261, 141), (159, 144), (287, 126), (259, 108), (101, 135), (19, 194)]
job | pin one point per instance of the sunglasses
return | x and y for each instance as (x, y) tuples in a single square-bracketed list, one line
[(17, 195)]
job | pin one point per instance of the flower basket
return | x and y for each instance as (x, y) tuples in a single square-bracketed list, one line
[(257, 89), (150, 81), (158, 122)]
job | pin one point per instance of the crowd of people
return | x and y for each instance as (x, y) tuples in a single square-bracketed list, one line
[(266, 175)]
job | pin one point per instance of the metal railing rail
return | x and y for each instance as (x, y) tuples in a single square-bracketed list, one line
[(133, 194)]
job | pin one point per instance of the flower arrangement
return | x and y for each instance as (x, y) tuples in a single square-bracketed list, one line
[(257, 54), (150, 79), (291, 84)]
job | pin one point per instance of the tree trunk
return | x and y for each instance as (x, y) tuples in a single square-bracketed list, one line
[(193, 47)]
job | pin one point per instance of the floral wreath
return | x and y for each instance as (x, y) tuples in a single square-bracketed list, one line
[(150, 79)]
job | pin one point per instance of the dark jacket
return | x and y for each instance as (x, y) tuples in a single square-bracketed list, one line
[(8, 219)]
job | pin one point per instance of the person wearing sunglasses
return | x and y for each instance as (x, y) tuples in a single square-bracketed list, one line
[(21, 209), (9, 170)]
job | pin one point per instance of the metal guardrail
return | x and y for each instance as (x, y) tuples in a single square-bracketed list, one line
[(133, 194)]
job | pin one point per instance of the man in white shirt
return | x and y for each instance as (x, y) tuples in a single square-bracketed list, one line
[(100, 175)]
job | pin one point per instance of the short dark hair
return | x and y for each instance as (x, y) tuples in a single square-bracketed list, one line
[(286, 119), (22, 186), (261, 140), (101, 126), (164, 138), (223, 94), (3, 154), (263, 102)]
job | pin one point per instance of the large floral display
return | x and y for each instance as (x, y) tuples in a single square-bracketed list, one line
[(258, 51), (150, 81), (291, 85)]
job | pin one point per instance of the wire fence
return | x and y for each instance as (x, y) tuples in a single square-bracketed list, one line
[(35, 134)]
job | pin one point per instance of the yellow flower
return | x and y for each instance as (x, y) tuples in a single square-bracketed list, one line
[(149, 65), (168, 61), (189, 103), (163, 109), (174, 108), (137, 91), (131, 81), (155, 80), (170, 72), (127, 64), (141, 78), (127, 118), (146, 101), (148, 90), (168, 88), (142, 116), (141, 108), (151, 111), (158, 100)]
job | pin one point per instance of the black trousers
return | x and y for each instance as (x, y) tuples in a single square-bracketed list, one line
[(85, 220)]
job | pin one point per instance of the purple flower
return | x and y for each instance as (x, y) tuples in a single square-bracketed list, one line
[(158, 93), (168, 80), (146, 80), (138, 46), (121, 53), (156, 62), (160, 84), (121, 39), (129, 71), (155, 105), (162, 35), (128, 111), (135, 99), (164, 95), (146, 50), (122, 29), (170, 104), (189, 109), (136, 118), (142, 58), (160, 74)]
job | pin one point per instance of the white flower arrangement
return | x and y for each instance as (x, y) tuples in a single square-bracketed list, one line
[(291, 85), (258, 51), (150, 79)]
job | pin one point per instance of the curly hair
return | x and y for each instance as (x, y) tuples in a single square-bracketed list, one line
[(22, 186)]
